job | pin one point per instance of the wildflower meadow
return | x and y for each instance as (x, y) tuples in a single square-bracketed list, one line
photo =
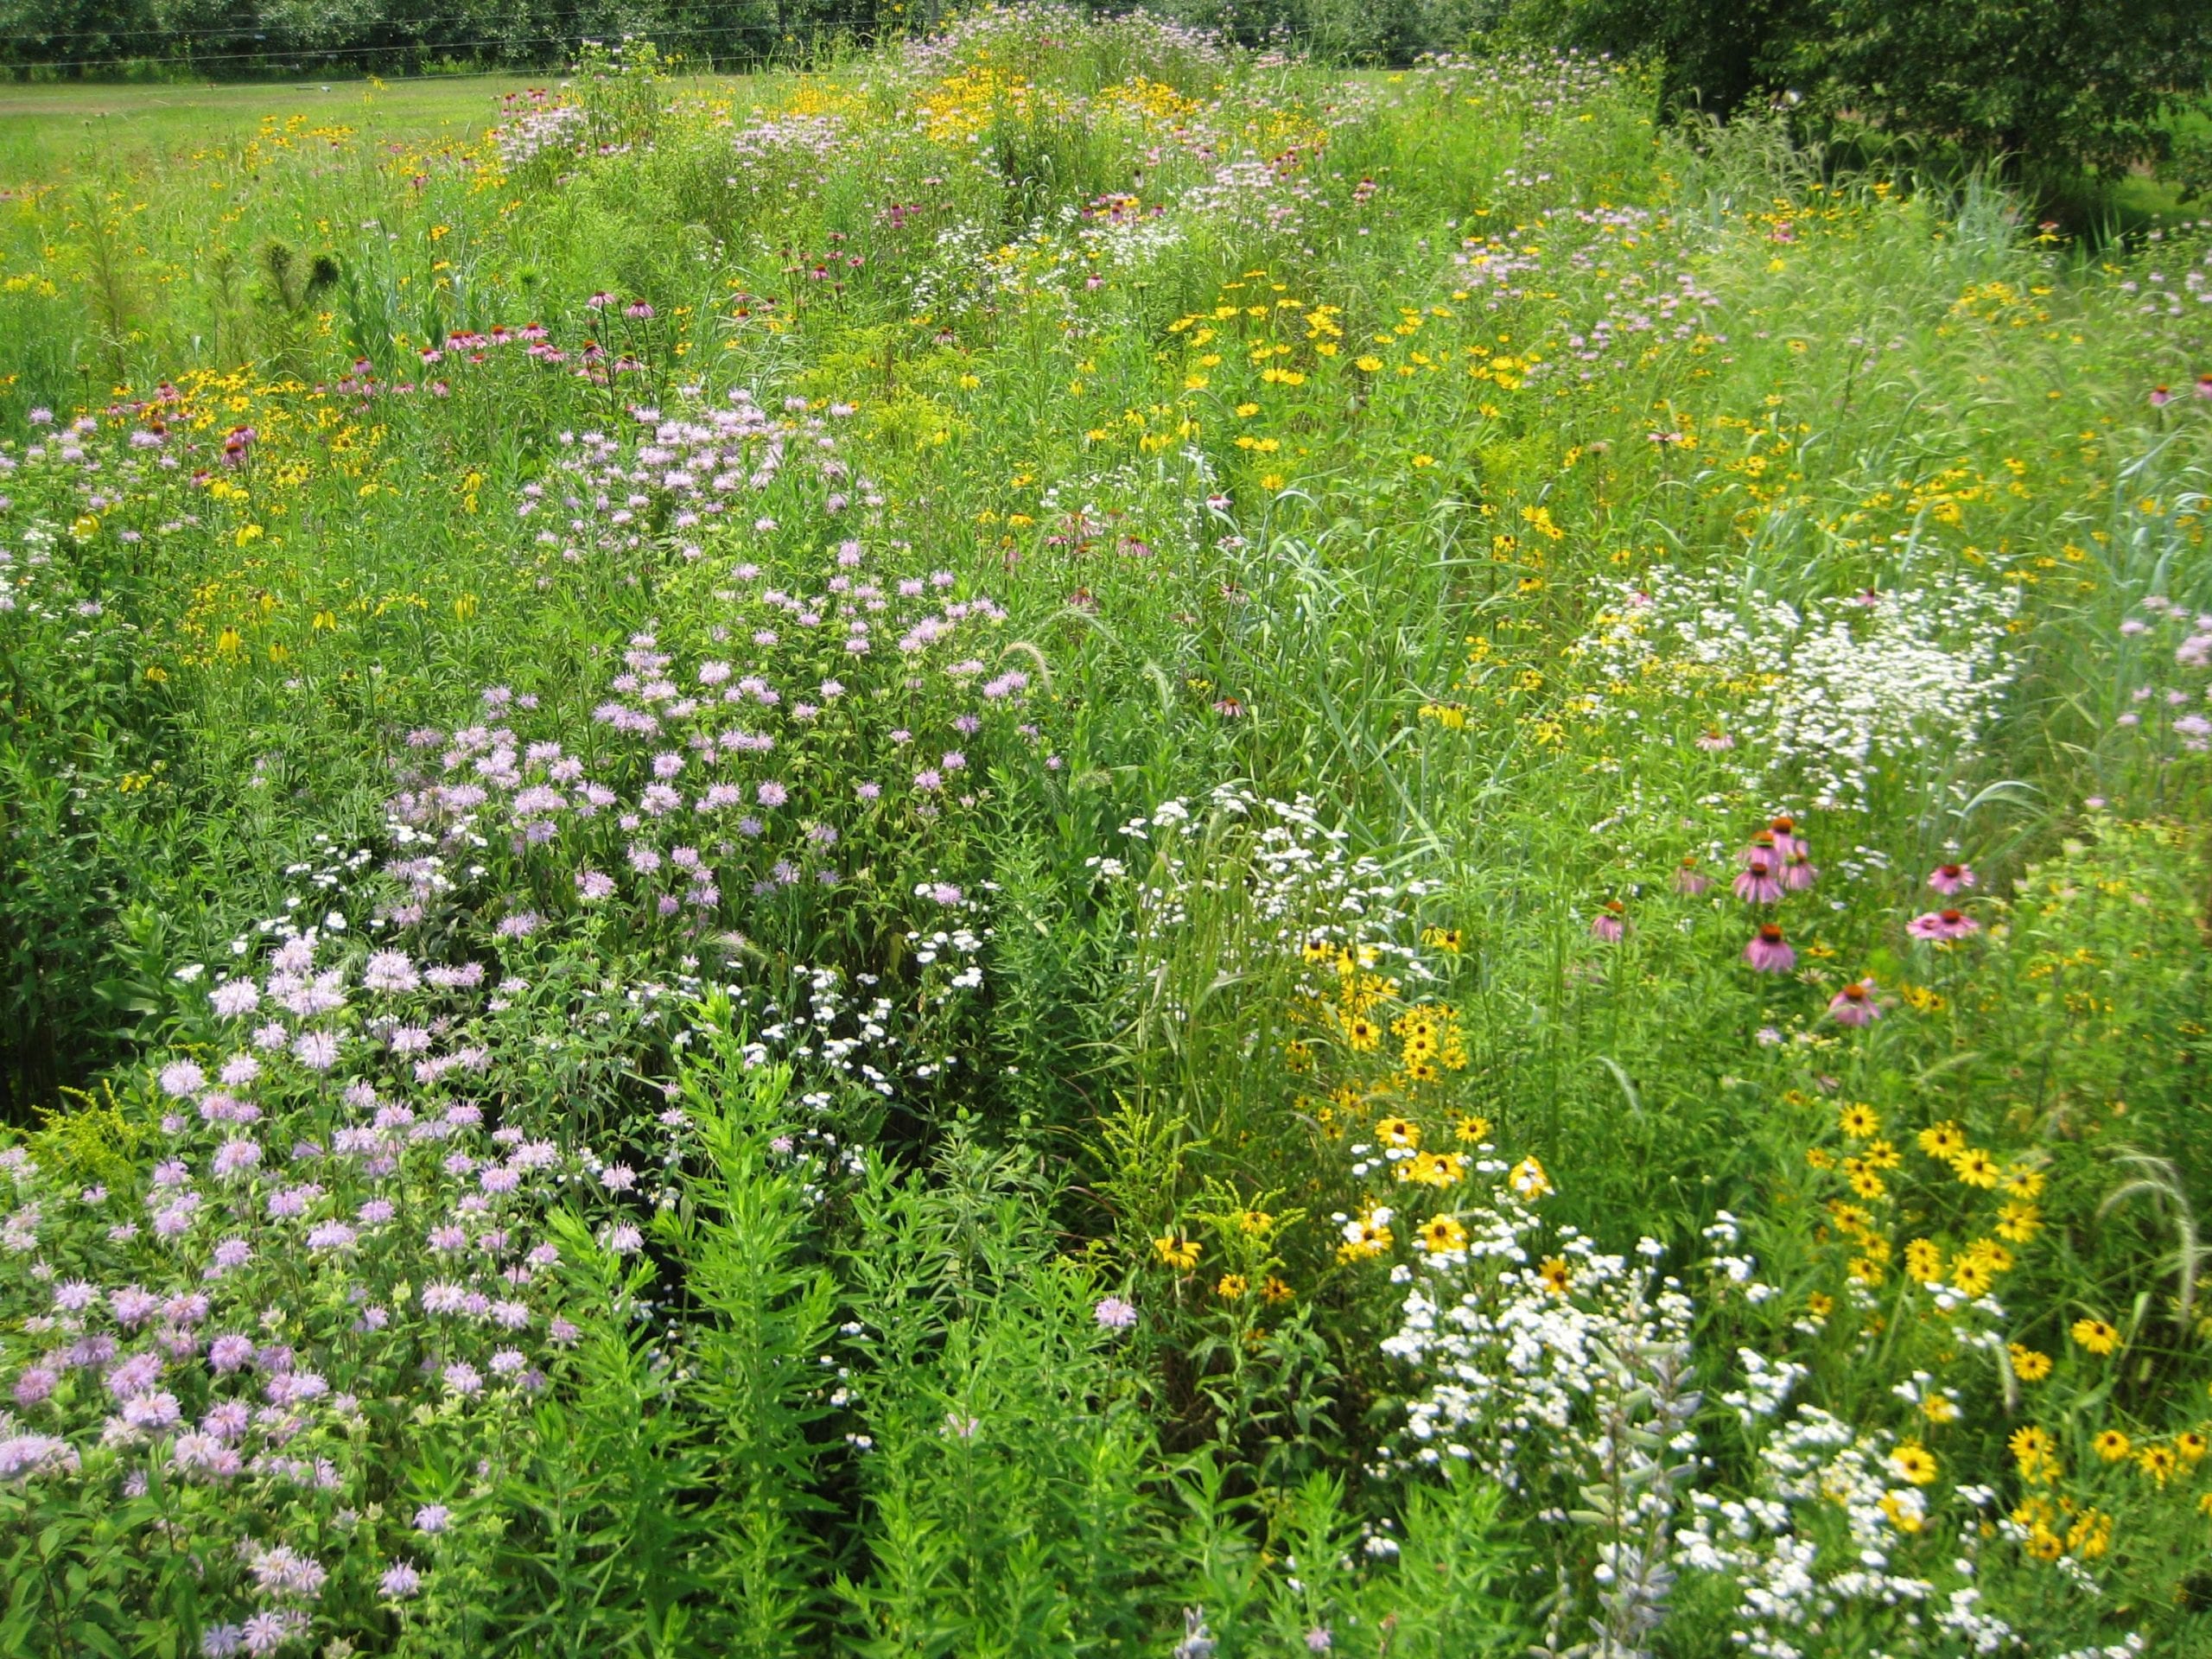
[(1070, 841)]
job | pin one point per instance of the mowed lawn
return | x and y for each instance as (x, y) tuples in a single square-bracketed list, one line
[(53, 130)]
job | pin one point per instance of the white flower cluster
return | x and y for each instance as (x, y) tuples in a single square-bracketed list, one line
[(1302, 884), (1835, 691), (1511, 1354)]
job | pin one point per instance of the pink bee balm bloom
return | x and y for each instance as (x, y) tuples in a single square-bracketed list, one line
[(1688, 881), (1943, 924), (1947, 878), (1798, 874), (1114, 1315), (1758, 884), (1607, 926), (1768, 952), (1854, 1004)]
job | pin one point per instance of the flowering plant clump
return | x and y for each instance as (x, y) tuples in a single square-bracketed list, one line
[(1049, 837)]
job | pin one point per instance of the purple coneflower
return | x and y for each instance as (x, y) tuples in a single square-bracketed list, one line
[(1688, 881), (1768, 952), (1948, 879), (1854, 1004), (1757, 883), (1607, 925), (1943, 924), (1798, 874), (1786, 840), (2160, 396)]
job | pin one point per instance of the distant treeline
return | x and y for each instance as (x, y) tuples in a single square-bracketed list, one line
[(2049, 86)]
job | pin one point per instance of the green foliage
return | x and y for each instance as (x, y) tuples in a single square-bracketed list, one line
[(2046, 86)]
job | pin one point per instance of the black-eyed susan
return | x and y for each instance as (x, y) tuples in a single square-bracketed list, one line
[(1231, 1287), (2157, 1462), (1859, 1121), (2022, 1181), (1176, 1251), (1973, 1275), (1914, 1462), (2096, 1335), (2112, 1446), (1275, 1290), (1975, 1167), (2029, 1364), (1442, 1233), (2032, 1449), (1945, 1140), (2018, 1222), (2090, 1536), (2044, 1545), (1558, 1278), (1362, 1034), (1472, 1129), (1399, 1132), (1527, 1179), (1923, 1260)]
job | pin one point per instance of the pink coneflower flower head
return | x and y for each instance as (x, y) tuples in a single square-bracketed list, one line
[(1947, 878), (1712, 740), (2204, 385), (1798, 872), (1942, 925), (1785, 836), (2160, 396), (1768, 952), (1607, 926), (1762, 850), (1854, 1004), (1757, 883), (1688, 881)]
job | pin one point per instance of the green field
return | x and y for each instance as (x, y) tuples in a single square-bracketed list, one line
[(1078, 844)]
